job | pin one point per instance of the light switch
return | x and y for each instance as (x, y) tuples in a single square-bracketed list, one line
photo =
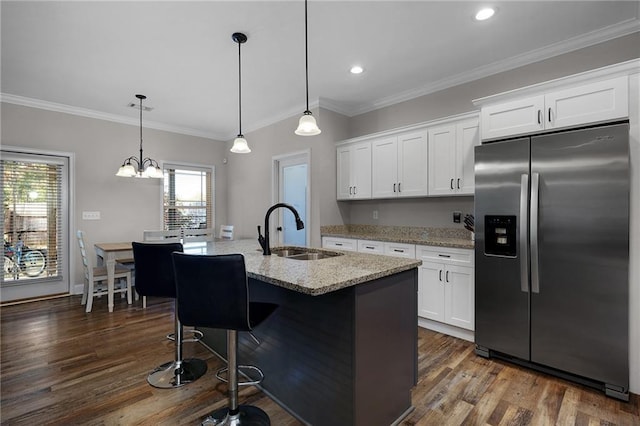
[(90, 215)]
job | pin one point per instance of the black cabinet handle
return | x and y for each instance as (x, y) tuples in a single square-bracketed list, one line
[(549, 114), (338, 244), (279, 228), (440, 275), (399, 190), (539, 119), (398, 250), (447, 277), (451, 183), (355, 190), (350, 190), (444, 255), (394, 187), (458, 183)]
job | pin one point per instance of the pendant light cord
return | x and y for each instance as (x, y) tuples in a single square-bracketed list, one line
[(239, 91), (141, 158), (306, 52)]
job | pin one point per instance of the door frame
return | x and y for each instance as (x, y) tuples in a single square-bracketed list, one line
[(305, 156), (70, 262)]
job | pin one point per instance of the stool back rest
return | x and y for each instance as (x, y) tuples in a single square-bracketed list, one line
[(212, 291), (86, 263), (154, 268)]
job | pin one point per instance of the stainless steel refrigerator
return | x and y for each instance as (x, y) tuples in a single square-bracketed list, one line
[(552, 254)]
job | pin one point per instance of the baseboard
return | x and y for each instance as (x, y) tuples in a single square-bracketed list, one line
[(443, 328)]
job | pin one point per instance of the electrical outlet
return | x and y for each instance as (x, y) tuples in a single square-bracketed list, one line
[(375, 214), (90, 215), (456, 217)]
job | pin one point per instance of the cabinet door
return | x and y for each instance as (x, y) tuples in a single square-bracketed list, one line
[(589, 103), (442, 153), (384, 168), (459, 296), (467, 137), (344, 188), (431, 291), (412, 164), (513, 118), (361, 170)]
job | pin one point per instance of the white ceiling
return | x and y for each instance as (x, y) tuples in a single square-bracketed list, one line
[(91, 58)]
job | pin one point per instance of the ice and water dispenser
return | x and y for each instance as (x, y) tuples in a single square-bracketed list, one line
[(500, 235)]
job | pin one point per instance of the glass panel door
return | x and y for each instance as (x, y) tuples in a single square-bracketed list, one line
[(35, 225)]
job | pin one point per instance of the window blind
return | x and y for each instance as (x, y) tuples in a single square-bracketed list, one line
[(32, 199), (188, 200)]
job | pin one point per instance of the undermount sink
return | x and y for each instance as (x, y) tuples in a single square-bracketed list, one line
[(301, 253)]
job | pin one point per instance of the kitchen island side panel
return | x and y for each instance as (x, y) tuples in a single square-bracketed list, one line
[(321, 354)]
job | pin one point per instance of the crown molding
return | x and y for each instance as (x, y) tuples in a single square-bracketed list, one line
[(89, 113), (599, 36)]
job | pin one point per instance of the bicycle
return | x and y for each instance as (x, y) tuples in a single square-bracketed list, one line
[(20, 259)]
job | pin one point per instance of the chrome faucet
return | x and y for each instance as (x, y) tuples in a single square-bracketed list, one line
[(264, 241)]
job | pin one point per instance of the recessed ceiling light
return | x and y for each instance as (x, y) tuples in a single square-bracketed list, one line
[(356, 69), (485, 13)]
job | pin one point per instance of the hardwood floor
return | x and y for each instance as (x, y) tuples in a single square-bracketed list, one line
[(61, 366)]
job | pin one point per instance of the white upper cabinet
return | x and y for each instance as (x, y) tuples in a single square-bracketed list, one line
[(587, 103), (451, 158), (599, 101), (399, 165), (354, 171), (384, 167)]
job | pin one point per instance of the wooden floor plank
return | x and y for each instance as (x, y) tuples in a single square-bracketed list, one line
[(62, 366)]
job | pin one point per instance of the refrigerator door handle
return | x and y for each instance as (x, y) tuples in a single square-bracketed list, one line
[(524, 248), (535, 188)]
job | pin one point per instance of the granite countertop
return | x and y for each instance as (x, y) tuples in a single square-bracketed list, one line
[(439, 237), (313, 277)]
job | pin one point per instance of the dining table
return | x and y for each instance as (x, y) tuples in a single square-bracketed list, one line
[(107, 255)]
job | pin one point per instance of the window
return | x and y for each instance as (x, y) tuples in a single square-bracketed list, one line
[(188, 200), (34, 216)]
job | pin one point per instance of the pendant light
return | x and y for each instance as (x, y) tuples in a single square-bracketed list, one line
[(144, 167), (307, 125), (240, 145)]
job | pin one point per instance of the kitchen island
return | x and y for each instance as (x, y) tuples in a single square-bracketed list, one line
[(341, 349)]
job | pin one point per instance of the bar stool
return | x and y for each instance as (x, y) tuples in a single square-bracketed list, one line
[(155, 277), (213, 292)]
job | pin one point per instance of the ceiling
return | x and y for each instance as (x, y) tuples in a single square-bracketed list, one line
[(91, 58)]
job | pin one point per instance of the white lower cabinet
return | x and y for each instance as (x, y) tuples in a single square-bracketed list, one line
[(400, 250), (347, 244), (446, 286), (373, 247)]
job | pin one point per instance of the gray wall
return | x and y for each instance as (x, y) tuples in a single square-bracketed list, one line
[(456, 100), (127, 206), (250, 176)]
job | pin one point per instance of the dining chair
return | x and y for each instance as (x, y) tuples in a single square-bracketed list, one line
[(162, 236), (197, 235), (95, 278), (226, 232)]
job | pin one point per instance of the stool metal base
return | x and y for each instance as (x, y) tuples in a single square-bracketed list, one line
[(169, 376), (248, 415)]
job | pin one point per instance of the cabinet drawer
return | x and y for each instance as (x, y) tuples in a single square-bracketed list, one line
[(373, 247), (445, 255), (400, 250), (339, 243)]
